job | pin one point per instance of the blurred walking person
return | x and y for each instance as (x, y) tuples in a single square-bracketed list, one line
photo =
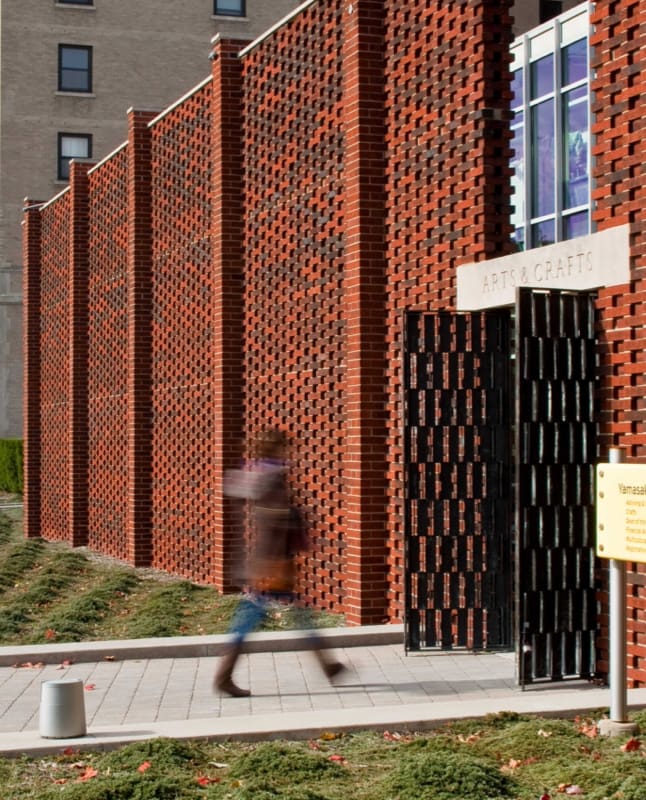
[(278, 536)]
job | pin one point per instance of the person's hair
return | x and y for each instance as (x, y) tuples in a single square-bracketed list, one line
[(270, 443)]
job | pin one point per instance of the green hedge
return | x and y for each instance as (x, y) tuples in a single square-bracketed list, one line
[(11, 474)]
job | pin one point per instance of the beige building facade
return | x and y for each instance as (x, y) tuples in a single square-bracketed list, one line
[(69, 71)]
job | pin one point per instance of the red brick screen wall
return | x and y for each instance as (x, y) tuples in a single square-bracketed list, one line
[(108, 375), (251, 253), (294, 328), (182, 340), (447, 179), (618, 87), (55, 369)]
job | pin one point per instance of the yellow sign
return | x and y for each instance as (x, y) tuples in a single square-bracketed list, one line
[(621, 511)]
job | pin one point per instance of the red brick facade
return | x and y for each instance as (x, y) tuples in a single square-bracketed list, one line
[(246, 259), (619, 194)]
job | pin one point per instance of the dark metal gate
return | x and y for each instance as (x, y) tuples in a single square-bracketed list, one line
[(457, 498), (556, 450), (499, 482)]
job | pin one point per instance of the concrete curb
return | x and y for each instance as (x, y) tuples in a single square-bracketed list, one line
[(196, 646), (308, 725)]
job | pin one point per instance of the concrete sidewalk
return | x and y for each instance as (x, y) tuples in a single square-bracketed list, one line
[(163, 687)]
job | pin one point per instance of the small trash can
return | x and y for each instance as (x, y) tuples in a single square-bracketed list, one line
[(62, 709)]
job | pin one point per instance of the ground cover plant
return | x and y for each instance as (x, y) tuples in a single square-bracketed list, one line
[(501, 757), (50, 592)]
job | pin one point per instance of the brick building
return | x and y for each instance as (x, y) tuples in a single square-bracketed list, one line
[(336, 232), (95, 59)]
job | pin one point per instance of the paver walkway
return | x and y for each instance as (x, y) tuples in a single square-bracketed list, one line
[(136, 690)]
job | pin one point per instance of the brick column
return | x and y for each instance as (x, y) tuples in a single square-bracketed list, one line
[(31, 227), (78, 355), (365, 456), (139, 511), (227, 243)]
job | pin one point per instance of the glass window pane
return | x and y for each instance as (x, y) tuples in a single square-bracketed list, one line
[(517, 88), (575, 150), (518, 176), (543, 233), (576, 225), (574, 59), (74, 58), (74, 146), (543, 156), (542, 76), (233, 7), (74, 69), (518, 238)]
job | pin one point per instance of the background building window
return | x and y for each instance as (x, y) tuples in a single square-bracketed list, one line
[(229, 8), (74, 68), (551, 131), (76, 2), (72, 145)]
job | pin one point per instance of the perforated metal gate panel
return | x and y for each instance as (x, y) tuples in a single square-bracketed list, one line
[(457, 485), (556, 450)]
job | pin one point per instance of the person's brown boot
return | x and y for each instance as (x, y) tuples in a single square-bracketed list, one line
[(223, 681), (330, 668)]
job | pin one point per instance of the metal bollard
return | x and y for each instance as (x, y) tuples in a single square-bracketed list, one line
[(62, 709)]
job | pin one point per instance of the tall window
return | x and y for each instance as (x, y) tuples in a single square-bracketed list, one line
[(551, 131), (72, 145), (229, 8), (74, 68)]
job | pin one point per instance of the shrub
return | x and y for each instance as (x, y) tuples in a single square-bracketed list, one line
[(11, 469)]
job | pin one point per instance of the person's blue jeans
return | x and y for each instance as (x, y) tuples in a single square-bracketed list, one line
[(253, 608)]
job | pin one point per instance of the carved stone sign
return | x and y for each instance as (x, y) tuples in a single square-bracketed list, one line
[(621, 512), (588, 262)]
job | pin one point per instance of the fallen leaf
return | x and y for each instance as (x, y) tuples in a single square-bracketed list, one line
[(631, 745), (313, 745), (89, 773), (329, 736), (205, 780), (65, 664), (108, 658), (546, 796), (545, 734), (218, 764), (90, 687), (50, 633), (472, 737), (574, 789), (588, 729), (29, 665), (338, 759), (144, 766), (392, 737), (60, 780)]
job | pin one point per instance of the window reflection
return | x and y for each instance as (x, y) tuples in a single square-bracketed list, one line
[(575, 148), (542, 72), (550, 132), (543, 158)]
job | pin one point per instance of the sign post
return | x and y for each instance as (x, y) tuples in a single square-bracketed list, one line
[(621, 537)]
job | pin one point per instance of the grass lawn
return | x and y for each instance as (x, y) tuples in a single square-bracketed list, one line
[(49, 592)]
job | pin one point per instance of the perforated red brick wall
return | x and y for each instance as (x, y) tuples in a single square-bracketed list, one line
[(446, 178), (294, 226), (251, 255), (54, 356), (182, 339), (108, 342), (618, 87)]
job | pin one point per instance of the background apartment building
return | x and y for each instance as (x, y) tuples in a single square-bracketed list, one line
[(69, 71)]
